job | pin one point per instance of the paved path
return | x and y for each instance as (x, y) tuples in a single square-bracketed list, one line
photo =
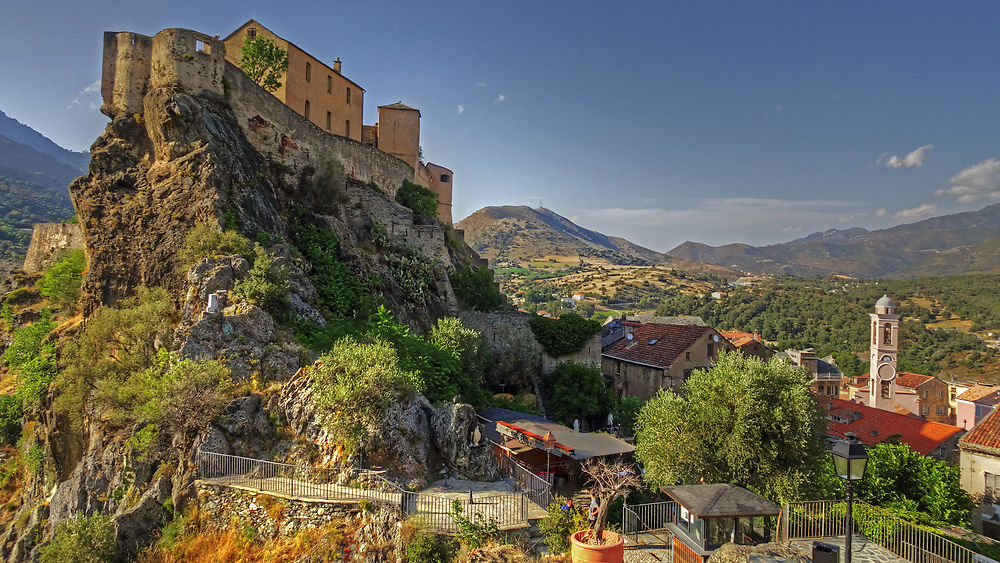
[(862, 551), (650, 548)]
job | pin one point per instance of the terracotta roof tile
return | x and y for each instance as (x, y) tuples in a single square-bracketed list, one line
[(984, 436), (977, 392), (734, 334), (875, 425), (656, 345), (742, 341), (912, 380)]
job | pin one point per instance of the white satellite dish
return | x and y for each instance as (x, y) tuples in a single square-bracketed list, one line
[(629, 336)]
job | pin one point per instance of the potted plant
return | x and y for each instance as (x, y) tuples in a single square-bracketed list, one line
[(608, 482)]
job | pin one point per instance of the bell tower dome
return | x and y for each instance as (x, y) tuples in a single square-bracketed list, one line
[(884, 351)]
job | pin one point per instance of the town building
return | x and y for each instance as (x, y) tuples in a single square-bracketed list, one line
[(976, 404), (979, 467), (659, 356), (826, 376), (873, 426), (749, 343), (884, 352), (335, 103), (924, 395)]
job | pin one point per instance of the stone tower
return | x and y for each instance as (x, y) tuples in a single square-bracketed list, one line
[(884, 351)]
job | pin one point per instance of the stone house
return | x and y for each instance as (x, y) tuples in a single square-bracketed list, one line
[(979, 466), (659, 356), (925, 396), (335, 103), (826, 376), (976, 404)]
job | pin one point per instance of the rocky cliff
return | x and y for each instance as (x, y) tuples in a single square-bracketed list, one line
[(193, 141)]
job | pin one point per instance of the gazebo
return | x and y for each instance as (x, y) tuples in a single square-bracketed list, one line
[(709, 516)]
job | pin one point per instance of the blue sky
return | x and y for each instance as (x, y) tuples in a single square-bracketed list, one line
[(718, 122)]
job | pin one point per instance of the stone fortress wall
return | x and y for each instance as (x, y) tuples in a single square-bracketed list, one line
[(47, 239), (196, 62)]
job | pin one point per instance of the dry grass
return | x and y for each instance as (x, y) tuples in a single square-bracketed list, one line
[(327, 543)]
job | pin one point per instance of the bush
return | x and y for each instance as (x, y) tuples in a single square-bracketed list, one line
[(10, 418), (338, 288), (412, 271), (353, 385), (61, 282), (428, 547), (32, 359), (474, 531), (558, 524), (579, 391), (206, 240), (476, 289), (82, 539), (472, 352), (566, 335), (421, 200), (266, 286)]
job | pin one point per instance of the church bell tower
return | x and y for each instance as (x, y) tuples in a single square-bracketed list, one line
[(884, 351)]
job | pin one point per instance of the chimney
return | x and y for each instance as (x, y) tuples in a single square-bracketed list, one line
[(336, 65)]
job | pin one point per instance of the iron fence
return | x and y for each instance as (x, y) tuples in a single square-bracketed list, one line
[(649, 517), (538, 490), (505, 510), (815, 519)]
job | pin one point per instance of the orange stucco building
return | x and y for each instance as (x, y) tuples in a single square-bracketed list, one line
[(316, 91), (333, 102)]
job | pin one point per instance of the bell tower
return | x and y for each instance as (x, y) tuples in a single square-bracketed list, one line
[(884, 351)]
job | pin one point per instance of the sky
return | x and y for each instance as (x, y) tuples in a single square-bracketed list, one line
[(711, 121)]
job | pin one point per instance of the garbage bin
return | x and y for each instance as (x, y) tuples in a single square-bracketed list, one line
[(825, 552)]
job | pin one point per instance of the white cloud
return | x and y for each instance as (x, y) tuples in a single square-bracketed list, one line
[(881, 212), (461, 109), (779, 107), (914, 213), (88, 98), (93, 88), (914, 159), (981, 181), (499, 99), (480, 84)]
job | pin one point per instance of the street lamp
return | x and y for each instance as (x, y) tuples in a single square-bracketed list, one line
[(550, 442), (849, 460)]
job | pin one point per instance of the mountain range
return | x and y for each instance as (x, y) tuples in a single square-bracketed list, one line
[(960, 243)]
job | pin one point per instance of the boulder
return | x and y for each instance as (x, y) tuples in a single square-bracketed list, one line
[(458, 437)]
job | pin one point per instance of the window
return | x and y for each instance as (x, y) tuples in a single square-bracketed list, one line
[(711, 348), (874, 332), (887, 335), (251, 33), (348, 94), (327, 121), (309, 69), (831, 390), (347, 128), (924, 411), (942, 410), (941, 393), (329, 84), (202, 47), (687, 355), (925, 393), (445, 178), (307, 109), (992, 484), (885, 389)]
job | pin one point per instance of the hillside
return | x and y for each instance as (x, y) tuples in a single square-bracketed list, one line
[(938, 246), (20, 133), (532, 237)]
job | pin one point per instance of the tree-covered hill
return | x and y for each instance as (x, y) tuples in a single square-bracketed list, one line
[(831, 315)]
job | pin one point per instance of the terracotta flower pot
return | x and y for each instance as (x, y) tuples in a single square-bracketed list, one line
[(584, 552)]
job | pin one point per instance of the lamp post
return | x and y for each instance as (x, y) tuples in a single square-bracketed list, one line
[(549, 441), (849, 460)]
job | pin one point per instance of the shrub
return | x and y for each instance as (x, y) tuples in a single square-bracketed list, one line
[(412, 271), (353, 385), (475, 530), (206, 240), (10, 418), (338, 288), (82, 539), (428, 547), (565, 335), (472, 352), (34, 458), (266, 286), (476, 289), (61, 282), (421, 200), (579, 391), (32, 359), (558, 524)]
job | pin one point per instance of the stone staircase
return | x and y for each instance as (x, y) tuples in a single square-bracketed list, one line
[(542, 394)]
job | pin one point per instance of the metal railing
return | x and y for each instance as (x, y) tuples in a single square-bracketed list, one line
[(650, 517), (311, 483), (815, 519), (538, 490)]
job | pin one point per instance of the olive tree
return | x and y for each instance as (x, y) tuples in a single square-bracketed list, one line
[(264, 62)]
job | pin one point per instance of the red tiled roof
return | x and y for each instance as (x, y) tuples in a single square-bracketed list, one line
[(912, 380), (742, 341), (875, 425), (656, 345), (977, 392), (984, 436), (733, 334)]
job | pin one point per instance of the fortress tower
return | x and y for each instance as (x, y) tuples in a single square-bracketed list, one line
[(884, 351)]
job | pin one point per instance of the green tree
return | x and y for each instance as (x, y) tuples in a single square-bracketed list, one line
[(264, 62), (472, 352), (207, 240), (266, 285), (578, 391), (744, 421), (61, 282), (475, 288), (422, 201), (565, 335), (82, 539)]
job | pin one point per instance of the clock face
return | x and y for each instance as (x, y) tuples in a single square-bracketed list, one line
[(886, 358), (886, 372)]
